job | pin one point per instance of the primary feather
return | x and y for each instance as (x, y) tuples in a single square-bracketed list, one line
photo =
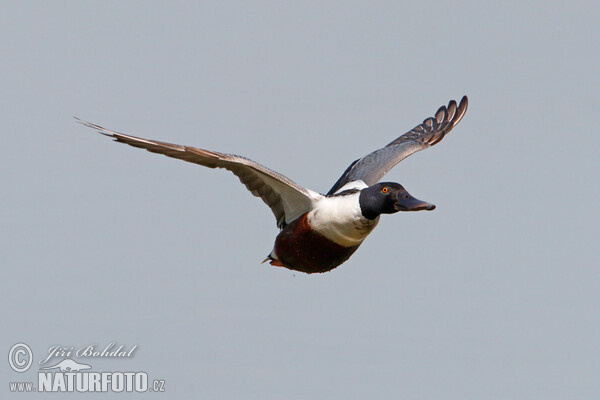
[(286, 199), (372, 167)]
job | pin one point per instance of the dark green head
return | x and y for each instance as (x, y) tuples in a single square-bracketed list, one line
[(388, 198)]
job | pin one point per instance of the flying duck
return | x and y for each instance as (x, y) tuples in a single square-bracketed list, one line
[(319, 232)]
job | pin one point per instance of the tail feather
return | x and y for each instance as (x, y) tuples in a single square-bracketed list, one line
[(273, 260)]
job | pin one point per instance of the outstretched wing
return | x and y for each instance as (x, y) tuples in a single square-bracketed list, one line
[(286, 199), (372, 167)]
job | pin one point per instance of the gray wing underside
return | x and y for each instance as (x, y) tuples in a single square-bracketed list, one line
[(286, 199), (372, 167)]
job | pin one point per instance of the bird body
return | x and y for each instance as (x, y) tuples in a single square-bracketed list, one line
[(339, 218), (324, 237), (320, 232), (299, 247)]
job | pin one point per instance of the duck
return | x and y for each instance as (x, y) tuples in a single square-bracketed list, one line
[(319, 232)]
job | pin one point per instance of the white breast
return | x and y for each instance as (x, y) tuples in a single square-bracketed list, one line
[(340, 220)]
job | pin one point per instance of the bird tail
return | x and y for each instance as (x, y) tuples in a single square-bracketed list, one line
[(273, 260)]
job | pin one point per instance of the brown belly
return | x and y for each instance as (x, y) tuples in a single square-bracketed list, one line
[(299, 248)]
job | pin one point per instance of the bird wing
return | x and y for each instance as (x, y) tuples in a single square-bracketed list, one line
[(286, 199), (372, 167)]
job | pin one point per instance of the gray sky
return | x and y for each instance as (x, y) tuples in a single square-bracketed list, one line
[(493, 295)]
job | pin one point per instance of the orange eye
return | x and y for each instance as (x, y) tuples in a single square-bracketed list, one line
[(385, 189)]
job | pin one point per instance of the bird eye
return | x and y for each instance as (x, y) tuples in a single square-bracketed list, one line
[(385, 189)]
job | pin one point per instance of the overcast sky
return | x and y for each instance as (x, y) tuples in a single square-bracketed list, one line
[(494, 295)]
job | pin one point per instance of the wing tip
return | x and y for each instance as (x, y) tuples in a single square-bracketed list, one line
[(98, 128), (447, 117), (461, 110)]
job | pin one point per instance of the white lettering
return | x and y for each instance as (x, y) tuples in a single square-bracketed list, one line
[(56, 351), (83, 382), (70, 377), (94, 383), (59, 383), (129, 378), (117, 381), (45, 381), (85, 351), (141, 382), (106, 379)]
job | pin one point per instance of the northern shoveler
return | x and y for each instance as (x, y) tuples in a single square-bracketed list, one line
[(320, 232)]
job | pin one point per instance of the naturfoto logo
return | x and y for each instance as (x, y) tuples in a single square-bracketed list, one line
[(68, 375)]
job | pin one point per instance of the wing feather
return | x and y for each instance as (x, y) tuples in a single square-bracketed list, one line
[(286, 199), (372, 167)]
